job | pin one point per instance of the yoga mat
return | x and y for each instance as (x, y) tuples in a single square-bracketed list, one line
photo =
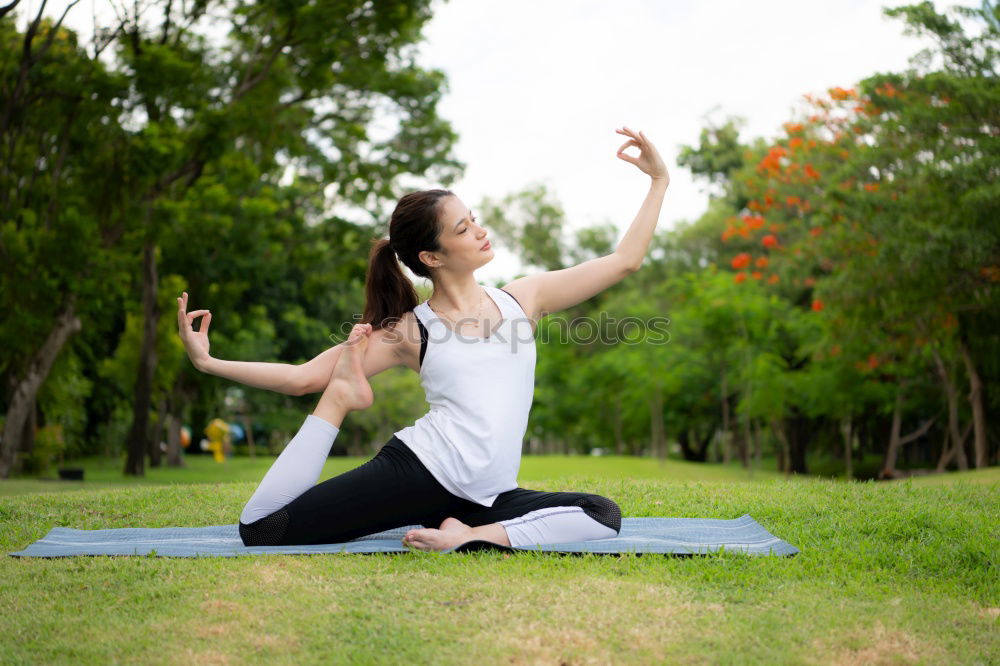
[(678, 536)]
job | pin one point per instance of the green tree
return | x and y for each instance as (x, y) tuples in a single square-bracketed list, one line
[(291, 89)]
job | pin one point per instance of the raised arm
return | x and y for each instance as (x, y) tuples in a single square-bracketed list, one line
[(309, 377), (553, 291)]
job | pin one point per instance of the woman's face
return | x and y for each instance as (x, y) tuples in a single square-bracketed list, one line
[(462, 239)]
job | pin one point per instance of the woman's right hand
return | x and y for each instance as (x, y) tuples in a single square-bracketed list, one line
[(196, 344)]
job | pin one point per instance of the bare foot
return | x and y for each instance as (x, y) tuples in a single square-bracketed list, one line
[(453, 532), (348, 383)]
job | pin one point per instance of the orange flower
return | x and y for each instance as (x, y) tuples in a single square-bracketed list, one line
[(772, 279), (756, 275), (769, 240), (809, 281), (817, 305), (793, 127), (741, 261), (872, 361), (740, 277), (816, 231), (834, 350), (811, 172), (871, 187), (761, 262), (774, 227), (795, 143), (888, 90), (772, 161), (839, 94)]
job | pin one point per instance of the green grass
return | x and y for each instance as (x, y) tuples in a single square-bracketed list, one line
[(107, 473), (986, 475), (902, 572)]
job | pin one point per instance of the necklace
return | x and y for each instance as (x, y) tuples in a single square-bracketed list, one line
[(476, 323)]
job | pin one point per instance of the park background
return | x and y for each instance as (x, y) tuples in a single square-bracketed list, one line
[(831, 297), (829, 266)]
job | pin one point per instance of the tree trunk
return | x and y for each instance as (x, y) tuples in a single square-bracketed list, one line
[(657, 438), (958, 442), (174, 456), (889, 464), (356, 447), (23, 390), (725, 419), (798, 444), (248, 431), (778, 428), (159, 428), (619, 442), (694, 447), (847, 434), (27, 437), (949, 452), (976, 402), (138, 436), (757, 446), (897, 442), (745, 443)]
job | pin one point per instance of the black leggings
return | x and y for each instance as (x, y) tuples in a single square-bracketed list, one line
[(394, 489)]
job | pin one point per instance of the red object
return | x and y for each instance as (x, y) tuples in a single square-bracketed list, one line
[(740, 261)]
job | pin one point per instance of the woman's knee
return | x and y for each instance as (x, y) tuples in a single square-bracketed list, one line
[(268, 531), (603, 510)]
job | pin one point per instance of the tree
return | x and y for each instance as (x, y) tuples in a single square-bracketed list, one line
[(294, 87)]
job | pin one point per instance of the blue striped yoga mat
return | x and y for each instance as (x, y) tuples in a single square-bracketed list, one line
[(679, 536)]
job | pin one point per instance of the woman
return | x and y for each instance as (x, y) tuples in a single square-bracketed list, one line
[(454, 471)]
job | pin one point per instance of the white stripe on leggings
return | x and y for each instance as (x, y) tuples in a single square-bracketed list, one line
[(295, 471), (554, 524)]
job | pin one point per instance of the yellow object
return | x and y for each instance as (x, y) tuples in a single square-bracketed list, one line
[(217, 432)]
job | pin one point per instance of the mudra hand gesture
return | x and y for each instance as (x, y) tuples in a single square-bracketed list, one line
[(196, 344), (649, 160)]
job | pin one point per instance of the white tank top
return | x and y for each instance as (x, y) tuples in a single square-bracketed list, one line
[(480, 391)]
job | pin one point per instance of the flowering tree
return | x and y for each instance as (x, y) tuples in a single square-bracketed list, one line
[(877, 211)]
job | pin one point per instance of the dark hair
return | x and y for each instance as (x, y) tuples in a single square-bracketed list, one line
[(413, 228)]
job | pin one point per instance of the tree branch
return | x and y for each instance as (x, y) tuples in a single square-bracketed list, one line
[(919, 432), (8, 8)]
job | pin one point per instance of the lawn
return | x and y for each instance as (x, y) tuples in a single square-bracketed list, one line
[(902, 572), (107, 473)]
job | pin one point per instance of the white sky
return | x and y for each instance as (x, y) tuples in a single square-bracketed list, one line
[(537, 87)]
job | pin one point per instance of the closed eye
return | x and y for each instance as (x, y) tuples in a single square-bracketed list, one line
[(464, 228)]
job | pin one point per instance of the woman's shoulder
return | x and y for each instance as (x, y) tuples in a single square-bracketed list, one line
[(407, 334)]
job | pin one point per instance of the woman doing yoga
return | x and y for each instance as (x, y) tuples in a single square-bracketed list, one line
[(454, 470)]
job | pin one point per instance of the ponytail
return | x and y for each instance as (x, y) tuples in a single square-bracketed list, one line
[(388, 292)]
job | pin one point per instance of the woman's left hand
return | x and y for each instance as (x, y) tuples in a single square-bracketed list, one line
[(649, 160)]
